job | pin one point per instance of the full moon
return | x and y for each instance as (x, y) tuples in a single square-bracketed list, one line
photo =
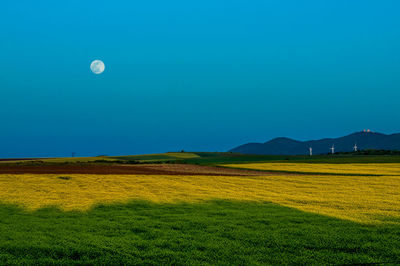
[(97, 66)]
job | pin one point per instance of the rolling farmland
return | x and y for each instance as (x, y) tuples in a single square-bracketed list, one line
[(268, 212)]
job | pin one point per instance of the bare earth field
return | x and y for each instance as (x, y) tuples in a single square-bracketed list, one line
[(141, 169)]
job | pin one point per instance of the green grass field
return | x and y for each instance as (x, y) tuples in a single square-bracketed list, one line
[(217, 158), (209, 233)]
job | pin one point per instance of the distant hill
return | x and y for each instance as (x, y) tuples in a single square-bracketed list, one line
[(286, 146)]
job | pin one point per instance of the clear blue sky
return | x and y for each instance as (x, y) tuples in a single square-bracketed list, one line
[(194, 75)]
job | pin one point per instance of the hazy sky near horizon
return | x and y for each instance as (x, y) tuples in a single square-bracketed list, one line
[(193, 75)]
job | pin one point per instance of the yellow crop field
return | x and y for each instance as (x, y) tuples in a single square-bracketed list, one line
[(182, 155), (359, 169), (76, 159), (364, 199)]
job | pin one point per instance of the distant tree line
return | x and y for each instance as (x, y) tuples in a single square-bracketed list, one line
[(370, 152)]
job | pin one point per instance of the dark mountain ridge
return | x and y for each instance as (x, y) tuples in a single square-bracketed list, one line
[(286, 146)]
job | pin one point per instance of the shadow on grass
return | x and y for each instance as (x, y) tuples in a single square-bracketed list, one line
[(213, 232)]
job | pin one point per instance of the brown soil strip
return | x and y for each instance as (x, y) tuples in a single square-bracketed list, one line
[(142, 169)]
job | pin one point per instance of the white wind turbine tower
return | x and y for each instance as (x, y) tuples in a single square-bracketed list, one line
[(355, 147), (310, 151), (333, 148)]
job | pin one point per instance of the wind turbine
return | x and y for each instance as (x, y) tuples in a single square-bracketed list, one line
[(355, 147), (333, 148), (310, 151)]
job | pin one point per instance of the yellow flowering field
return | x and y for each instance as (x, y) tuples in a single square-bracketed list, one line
[(358, 198), (359, 169)]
